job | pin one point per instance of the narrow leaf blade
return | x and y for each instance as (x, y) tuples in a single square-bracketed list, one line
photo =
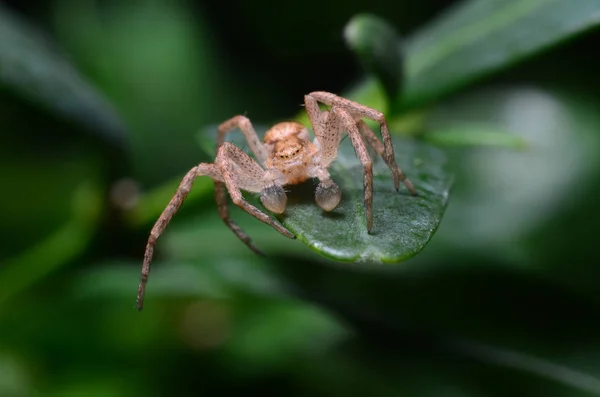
[(33, 70), (475, 134), (479, 37)]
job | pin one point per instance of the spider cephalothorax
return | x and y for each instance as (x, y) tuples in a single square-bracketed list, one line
[(286, 156), (291, 151)]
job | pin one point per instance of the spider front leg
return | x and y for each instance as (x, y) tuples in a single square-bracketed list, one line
[(240, 171), (337, 121), (176, 201), (346, 121), (244, 124), (223, 210), (364, 111)]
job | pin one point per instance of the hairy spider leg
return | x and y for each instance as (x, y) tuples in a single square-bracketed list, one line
[(230, 156), (372, 140), (330, 99), (176, 201), (220, 191), (329, 127)]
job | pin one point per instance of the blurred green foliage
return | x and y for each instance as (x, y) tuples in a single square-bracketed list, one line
[(101, 104)]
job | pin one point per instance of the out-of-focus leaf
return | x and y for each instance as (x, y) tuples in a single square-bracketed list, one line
[(214, 277), (151, 204), (379, 49), (568, 376), (19, 272), (460, 309), (168, 280), (503, 195), (466, 134), (32, 69), (402, 224), (302, 329), (161, 67), (15, 379), (205, 234), (77, 384), (478, 37), (535, 209), (60, 144), (471, 40), (278, 333), (430, 372)]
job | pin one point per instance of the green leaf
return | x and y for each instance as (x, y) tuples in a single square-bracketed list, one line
[(60, 145), (187, 240), (157, 61), (459, 305), (534, 206), (479, 37), (378, 47), (500, 201), (303, 331), (472, 134), (16, 379), (153, 202), (402, 224), (41, 258), (469, 41), (207, 275), (33, 70)]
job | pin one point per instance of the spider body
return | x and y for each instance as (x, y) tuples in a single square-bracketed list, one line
[(287, 156), (291, 151)]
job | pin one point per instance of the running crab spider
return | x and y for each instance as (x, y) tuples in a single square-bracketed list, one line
[(286, 157)]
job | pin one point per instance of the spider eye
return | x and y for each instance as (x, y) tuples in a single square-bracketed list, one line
[(328, 195)]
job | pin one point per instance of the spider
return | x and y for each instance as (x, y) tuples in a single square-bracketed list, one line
[(286, 157)]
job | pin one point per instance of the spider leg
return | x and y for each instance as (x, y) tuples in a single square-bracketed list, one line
[(372, 114), (342, 120), (223, 208), (371, 138), (326, 128), (231, 160), (397, 173), (244, 124), (164, 219)]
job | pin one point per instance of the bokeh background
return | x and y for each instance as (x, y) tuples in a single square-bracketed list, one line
[(504, 300)]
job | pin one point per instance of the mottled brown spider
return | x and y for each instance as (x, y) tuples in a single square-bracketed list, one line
[(286, 157)]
